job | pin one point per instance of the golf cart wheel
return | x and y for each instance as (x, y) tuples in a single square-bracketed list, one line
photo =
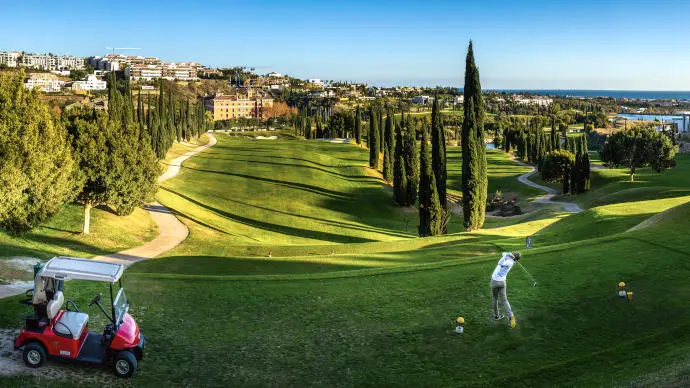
[(34, 355), (125, 364)]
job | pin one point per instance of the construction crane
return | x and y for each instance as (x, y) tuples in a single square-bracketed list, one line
[(122, 48)]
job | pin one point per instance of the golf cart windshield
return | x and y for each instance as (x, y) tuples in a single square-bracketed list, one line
[(120, 306)]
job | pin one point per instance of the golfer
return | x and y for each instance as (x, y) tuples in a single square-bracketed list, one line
[(498, 284)]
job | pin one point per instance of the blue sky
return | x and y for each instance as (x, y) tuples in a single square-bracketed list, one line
[(580, 44)]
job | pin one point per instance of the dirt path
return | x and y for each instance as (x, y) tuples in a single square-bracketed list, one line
[(550, 193), (172, 232)]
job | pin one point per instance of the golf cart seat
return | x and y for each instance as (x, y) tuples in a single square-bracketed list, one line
[(71, 324)]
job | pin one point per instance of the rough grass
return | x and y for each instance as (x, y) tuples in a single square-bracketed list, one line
[(62, 234)]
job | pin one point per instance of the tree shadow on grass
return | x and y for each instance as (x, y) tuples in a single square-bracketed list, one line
[(293, 185), (282, 229), (373, 229), (243, 152), (350, 178), (17, 249), (215, 265)]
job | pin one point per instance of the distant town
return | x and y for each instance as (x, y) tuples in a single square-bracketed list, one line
[(241, 93)]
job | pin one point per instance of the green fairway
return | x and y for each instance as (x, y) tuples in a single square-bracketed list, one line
[(351, 297)]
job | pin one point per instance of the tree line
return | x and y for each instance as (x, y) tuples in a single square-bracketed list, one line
[(85, 155)]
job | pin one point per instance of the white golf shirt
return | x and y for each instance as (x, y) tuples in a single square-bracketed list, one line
[(504, 265)]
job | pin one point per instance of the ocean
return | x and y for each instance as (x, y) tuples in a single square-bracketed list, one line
[(630, 94)]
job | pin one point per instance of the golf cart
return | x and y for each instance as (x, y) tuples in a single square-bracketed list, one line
[(51, 331)]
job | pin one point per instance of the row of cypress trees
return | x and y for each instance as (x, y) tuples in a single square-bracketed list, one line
[(416, 175), (171, 118), (433, 204)]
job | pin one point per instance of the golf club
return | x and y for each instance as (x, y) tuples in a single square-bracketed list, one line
[(534, 284)]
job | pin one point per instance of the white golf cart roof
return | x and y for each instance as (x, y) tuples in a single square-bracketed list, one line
[(68, 268)]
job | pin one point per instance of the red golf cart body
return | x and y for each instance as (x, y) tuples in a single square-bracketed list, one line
[(65, 333)]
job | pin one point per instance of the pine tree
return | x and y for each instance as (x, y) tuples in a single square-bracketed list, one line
[(115, 168), (373, 142), (474, 178), (36, 162), (411, 156), (399, 175), (438, 153), (430, 210), (358, 126)]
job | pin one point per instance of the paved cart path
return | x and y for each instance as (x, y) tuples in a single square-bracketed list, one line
[(172, 232), (550, 193)]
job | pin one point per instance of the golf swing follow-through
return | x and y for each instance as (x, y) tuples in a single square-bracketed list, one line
[(498, 284)]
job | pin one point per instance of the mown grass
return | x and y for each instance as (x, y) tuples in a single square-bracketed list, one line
[(395, 326), (179, 149), (381, 312)]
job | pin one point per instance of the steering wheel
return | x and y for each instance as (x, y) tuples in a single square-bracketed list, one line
[(96, 299)]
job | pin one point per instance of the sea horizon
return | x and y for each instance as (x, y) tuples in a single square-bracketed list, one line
[(629, 94)]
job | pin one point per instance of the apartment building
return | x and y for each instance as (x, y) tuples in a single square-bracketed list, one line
[(10, 59), (51, 62), (144, 72), (226, 107), (169, 71), (47, 82)]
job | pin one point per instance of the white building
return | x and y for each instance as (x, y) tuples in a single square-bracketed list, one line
[(169, 71), (459, 99), (52, 62), (9, 59), (422, 100), (273, 74), (48, 82), (89, 83), (316, 82)]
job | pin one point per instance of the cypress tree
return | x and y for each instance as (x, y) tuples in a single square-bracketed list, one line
[(358, 126), (380, 131), (190, 120), (474, 179), (128, 110), (388, 150), (170, 125), (162, 123), (438, 153), (399, 175), (373, 142), (585, 169), (140, 113), (555, 144), (176, 118), (411, 156), (430, 211)]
